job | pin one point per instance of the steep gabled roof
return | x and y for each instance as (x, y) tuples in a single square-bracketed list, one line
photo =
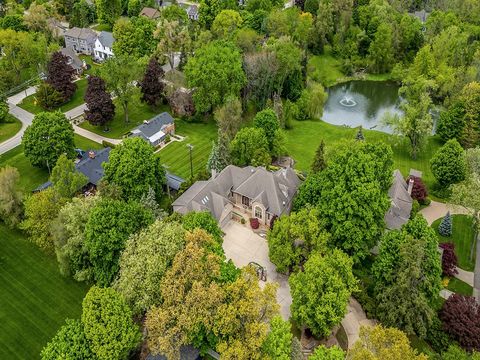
[(150, 13), (401, 202), (106, 39)]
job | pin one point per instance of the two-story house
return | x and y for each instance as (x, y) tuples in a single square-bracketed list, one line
[(103, 46), (80, 40)]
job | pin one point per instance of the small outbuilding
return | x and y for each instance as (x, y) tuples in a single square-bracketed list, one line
[(155, 130)]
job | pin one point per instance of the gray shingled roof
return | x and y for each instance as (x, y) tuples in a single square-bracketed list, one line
[(154, 125), (81, 33), (92, 167), (76, 62), (274, 189), (401, 203), (106, 39), (186, 353), (173, 181)]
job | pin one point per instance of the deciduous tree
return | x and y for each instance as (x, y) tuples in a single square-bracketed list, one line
[(321, 291), (278, 343), (449, 259), (151, 85), (11, 206), (378, 342), (134, 37), (109, 225), (134, 166), (173, 38), (229, 118), (226, 24), (121, 74), (330, 353), (100, 108), (448, 164), (205, 221), (108, 324), (65, 178), (108, 11), (60, 75), (250, 147), (215, 71), (146, 258), (460, 315), (294, 237), (49, 136)]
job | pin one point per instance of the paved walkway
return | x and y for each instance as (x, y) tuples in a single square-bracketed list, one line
[(437, 210), (465, 276), (444, 293), (355, 319)]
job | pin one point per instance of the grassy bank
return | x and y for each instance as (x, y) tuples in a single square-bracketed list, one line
[(463, 237), (303, 139), (176, 155), (29, 103), (9, 128), (35, 299)]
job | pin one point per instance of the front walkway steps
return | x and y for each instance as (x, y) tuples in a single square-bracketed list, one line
[(354, 319)]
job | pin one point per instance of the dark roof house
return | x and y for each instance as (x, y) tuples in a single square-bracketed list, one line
[(150, 13), (401, 202), (156, 129), (73, 59)]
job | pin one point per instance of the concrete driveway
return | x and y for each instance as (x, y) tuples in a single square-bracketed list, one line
[(242, 245)]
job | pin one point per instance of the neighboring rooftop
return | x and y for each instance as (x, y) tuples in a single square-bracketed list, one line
[(192, 11), (80, 33), (151, 130), (150, 13), (106, 39), (401, 203), (186, 353), (76, 63)]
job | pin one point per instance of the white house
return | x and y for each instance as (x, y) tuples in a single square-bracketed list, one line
[(103, 46)]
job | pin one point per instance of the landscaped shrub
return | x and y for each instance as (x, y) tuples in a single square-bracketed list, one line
[(254, 223), (460, 316), (448, 164), (415, 209), (446, 226), (449, 259), (436, 337), (419, 190), (47, 97)]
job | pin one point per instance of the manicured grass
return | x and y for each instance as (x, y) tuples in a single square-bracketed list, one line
[(325, 68), (29, 103), (137, 113), (31, 177), (10, 128), (459, 287), (176, 155), (35, 299), (304, 138), (463, 237), (102, 27)]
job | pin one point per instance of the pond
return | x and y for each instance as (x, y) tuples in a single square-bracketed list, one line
[(362, 103)]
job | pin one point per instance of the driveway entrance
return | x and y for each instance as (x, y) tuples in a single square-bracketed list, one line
[(243, 246)]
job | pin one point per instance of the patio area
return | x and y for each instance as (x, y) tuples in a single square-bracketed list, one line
[(243, 246)]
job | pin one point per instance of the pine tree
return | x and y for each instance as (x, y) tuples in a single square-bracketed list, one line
[(151, 85), (319, 162), (100, 108), (60, 75), (219, 156), (446, 226), (359, 135)]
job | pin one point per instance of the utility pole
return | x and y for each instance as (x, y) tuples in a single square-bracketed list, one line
[(190, 146)]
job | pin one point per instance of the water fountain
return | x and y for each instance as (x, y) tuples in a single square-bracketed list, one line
[(348, 101)]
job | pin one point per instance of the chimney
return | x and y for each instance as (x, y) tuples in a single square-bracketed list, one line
[(91, 154), (410, 186)]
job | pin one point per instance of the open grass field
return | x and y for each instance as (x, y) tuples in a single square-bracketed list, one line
[(31, 177), (29, 102), (304, 138), (10, 128), (137, 113), (35, 299), (176, 155), (463, 238), (325, 68), (459, 287)]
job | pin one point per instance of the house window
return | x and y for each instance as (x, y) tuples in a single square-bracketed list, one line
[(245, 201), (258, 212)]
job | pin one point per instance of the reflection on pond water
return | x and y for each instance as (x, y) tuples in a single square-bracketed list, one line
[(363, 103)]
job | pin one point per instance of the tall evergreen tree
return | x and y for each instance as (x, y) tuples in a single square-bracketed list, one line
[(151, 85), (219, 157), (319, 162), (60, 75), (100, 108)]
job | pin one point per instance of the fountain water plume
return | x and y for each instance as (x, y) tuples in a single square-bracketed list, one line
[(348, 101)]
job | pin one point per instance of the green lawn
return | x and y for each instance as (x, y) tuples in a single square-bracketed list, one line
[(325, 68), (35, 299), (459, 287), (176, 155), (463, 238), (29, 103), (31, 177), (303, 139), (137, 113), (10, 128)]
